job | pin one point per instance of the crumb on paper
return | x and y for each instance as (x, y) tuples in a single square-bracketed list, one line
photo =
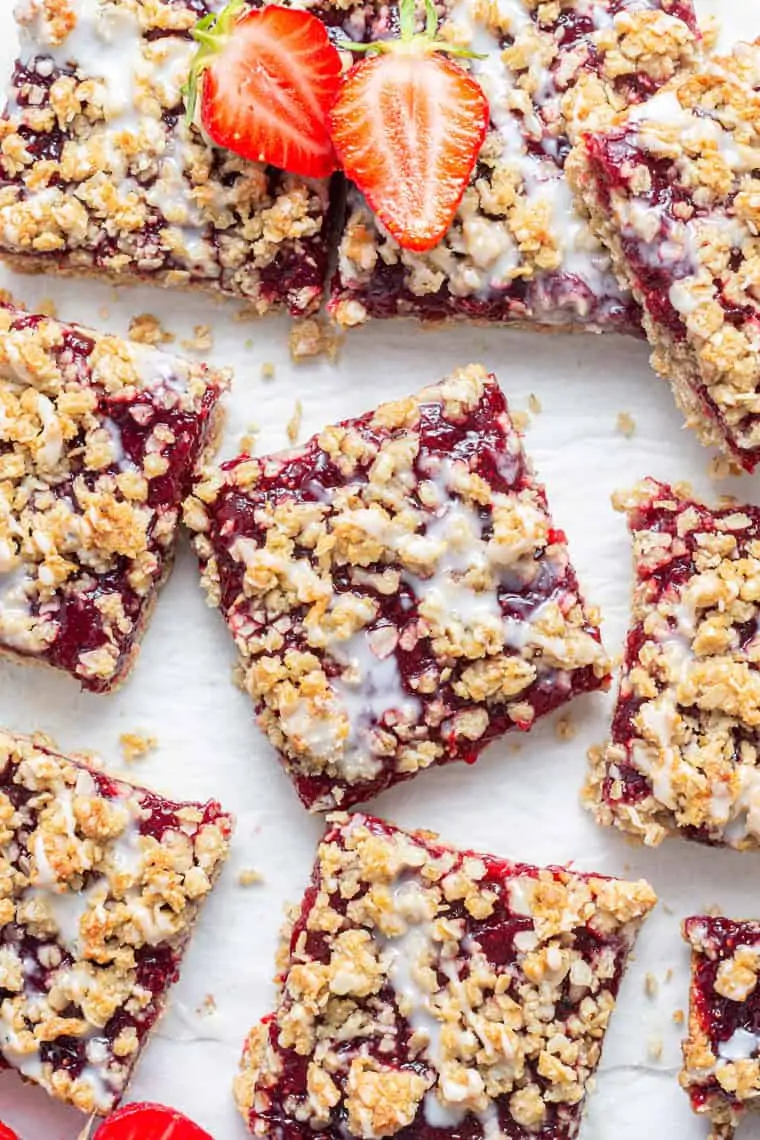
[(625, 425), (201, 341), (713, 910), (654, 1048), (250, 877), (144, 328), (565, 729), (267, 370), (7, 298), (135, 745), (104, 313), (293, 428), (534, 404), (313, 337), (48, 307), (521, 420), (668, 909), (249, 438), (515, 746), (669, 974), (651, 985), (248, 343), (723, 467), (679, 1016), (709, 26), (207, 1006)]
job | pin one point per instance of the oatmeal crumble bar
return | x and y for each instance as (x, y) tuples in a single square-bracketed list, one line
[(423, 987), (519, 249), (396, 590), (99, 173), (683, 753), (98, 440), (100, 885), (673, 190), (721, 1070)]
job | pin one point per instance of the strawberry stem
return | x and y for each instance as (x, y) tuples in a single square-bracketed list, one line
[(427, 40), (211, 33)]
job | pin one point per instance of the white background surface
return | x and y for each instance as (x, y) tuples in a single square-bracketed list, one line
[(520, 800)]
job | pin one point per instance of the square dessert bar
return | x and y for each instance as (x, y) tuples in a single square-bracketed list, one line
[(426, 990), (396, 589), (520, 249), (99, 173), (98, 440), (673, 190), (721, 1070), (100, 885), (683, 753)]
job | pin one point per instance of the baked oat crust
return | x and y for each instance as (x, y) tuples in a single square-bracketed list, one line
[(101, 883), (422, 987), (683, 753), (396, 589), (99, 440), (721, 1069), (671, 190)]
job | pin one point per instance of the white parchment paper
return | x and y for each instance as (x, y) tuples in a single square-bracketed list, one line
[(520, 800)]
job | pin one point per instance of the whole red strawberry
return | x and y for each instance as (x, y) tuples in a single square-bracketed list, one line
[(408, 125), (149, 1122), (264, 80)]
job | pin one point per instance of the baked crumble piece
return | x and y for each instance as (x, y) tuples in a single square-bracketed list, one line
[(430, 991), (98, 441), (721, 1055), (100, 885), (101, 175), (520, 250), (683, 753), (396, 590), (673, 190)]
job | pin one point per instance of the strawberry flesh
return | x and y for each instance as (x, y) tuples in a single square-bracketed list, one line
[(265, 95), (148, 1122), (408, 128)]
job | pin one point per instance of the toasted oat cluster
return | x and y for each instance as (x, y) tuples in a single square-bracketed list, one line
[(674, 192), (721, 1070), (98, 441), (396, 589), (425, 988), (683, 754), (100, 885), (519, 249), (100, 174)]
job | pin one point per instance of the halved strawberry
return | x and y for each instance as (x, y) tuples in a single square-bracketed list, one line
[(266, 79), (149, 1122), (5, 1132), (408, 125)]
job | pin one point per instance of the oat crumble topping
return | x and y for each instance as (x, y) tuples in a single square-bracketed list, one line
[(98, 440), (100, 174), (100, 885), (683, 753), (673, 190), (426, 987), (396, 589)]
